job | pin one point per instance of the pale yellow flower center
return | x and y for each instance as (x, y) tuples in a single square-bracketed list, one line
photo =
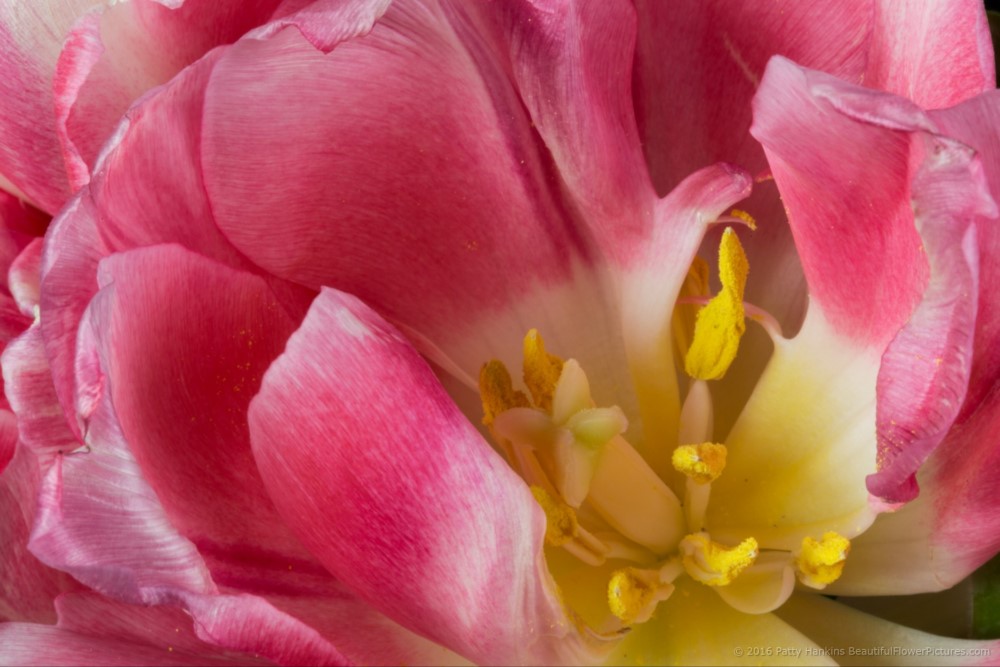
[(602, 501)]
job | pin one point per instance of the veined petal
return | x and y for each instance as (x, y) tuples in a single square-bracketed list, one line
[(911, 56), (114, 54), (851, 637), (844, 209), (390, 487), (418, 227)]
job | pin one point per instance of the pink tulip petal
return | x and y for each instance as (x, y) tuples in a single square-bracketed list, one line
[(24, 278), (698, 65), (848, 208), (30, 38), (952, 527), (145, 191), (26, 644), (325, 23), (398, 495), (27, 587), (183, 344), (974, 124), (114, 54), (926, 366), (912, 56), (571, 64), (420, 222)]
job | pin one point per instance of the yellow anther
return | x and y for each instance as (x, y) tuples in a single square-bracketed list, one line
[(702, 463), (821, 562), (541, 370), (682, 325), (740, 214), (561, 525), (713, 563), (497, 391), (720, 324), (633, 594)]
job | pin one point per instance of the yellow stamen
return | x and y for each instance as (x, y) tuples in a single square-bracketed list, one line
[(541, 370), (745, 217), (497, 391), (720, 324), (714, 564), (633, 594), (695, 285), (702, 463), (821, 563), (561, 525)]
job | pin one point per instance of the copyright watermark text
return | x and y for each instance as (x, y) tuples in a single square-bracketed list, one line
[(840, 651)]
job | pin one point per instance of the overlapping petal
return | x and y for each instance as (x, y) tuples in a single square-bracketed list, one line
[(374, 468)]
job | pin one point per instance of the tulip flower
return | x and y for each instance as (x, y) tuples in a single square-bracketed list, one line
[(525, 332)]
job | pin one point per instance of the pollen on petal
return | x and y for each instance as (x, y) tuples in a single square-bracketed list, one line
[(720, 324), (561, 525), (541, 370), (821, 562), (715, 564), (496, 390), (633, 594), (702, 463)]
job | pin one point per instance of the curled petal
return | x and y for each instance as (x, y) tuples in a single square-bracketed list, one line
[(390, 487)]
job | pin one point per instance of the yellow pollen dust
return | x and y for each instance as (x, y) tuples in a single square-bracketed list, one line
[(496, 390), (821, 562), (720, 324), (714, 564), (561, 525), (745, 217), (541, 370), (631, 596), (702, 463)]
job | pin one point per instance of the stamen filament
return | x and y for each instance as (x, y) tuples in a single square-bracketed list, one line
[(697, 414)]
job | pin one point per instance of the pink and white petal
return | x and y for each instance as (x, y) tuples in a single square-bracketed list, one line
[(847, 206), (42, 426), (951, 528), (27, 587), (372, 465), (182, 346), (695, 627), (418, 224), (926, 367), (911, 56), (146, 190), (31, 36), (25, 276), (101, 522), (115, 54), (852, 637), (649, 291), (925, 370)]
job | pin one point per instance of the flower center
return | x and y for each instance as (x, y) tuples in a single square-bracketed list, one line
[(603, 503)]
